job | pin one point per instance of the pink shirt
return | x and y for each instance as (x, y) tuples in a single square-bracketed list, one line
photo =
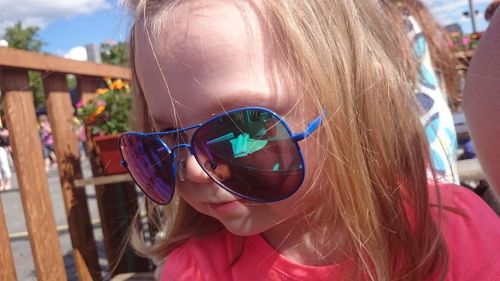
[(473, 242)]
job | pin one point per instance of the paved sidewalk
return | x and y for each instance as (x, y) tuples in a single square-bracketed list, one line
[(20, 246)]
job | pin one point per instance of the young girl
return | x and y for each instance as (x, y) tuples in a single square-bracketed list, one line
[(284, 137), (49, 154)]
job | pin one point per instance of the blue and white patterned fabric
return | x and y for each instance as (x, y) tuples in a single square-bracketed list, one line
[(436, 114)]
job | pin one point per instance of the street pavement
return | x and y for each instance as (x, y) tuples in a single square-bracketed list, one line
[(20, 246)]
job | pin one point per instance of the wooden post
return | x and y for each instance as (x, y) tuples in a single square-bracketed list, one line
[(117, 205), (87, 86), (7, 267), (60, 112), (31, 175)]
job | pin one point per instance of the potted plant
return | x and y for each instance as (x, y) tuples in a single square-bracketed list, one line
[(106, 116)]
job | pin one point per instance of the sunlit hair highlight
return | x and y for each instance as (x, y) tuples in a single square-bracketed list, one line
[(346, 59)]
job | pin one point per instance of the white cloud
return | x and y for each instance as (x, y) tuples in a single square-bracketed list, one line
[(77, 53), (42, 12)]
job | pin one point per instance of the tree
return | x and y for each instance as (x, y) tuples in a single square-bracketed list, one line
[(115, 53), (26, 38)]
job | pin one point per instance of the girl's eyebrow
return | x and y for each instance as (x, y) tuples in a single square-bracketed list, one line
[(232, 100), (243, 98)]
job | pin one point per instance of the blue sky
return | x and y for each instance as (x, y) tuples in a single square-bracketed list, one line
[(66, 24), (450, 11), (99, 26)]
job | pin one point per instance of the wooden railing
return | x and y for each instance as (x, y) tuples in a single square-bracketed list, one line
[(21, 118)]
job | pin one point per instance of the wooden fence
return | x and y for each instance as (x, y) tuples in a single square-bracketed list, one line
[(116, 201)]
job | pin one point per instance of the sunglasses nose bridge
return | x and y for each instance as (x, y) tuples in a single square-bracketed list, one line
[(179, 160), (182, 145), (176, 154)]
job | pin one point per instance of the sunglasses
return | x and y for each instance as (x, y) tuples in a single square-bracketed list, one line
[(250, 152)]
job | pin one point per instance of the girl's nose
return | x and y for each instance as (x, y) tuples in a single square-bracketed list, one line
[(194, 172)]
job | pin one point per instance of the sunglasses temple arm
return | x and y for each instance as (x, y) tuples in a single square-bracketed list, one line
[(311, 128)]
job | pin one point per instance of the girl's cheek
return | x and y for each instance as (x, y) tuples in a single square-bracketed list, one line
[(313, 159)]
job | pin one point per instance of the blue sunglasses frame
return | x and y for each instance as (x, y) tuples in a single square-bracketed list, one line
[(295, 137)]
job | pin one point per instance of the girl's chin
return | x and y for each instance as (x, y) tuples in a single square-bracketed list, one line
[(242, 231)]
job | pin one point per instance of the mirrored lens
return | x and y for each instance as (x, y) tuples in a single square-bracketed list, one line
[(148, 162), (250, 153)]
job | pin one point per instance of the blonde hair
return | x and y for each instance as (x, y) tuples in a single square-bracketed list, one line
[(347, 58)]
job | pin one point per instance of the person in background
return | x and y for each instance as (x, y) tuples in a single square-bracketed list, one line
[(482, 102), (49, 154), (79, 129), (436, 85), (469, 151), (490, 10), (468, 147), (5, 172), (285, 138)]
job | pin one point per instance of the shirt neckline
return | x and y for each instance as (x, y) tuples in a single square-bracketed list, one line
[(264, 253)]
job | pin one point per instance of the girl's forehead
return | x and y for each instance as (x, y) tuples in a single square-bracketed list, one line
[(205, 59)]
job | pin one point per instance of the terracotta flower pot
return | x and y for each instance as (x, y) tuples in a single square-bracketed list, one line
[(109, 154)]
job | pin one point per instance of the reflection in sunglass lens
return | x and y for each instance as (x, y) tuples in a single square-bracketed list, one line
[(250, 153), (148, 161)]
